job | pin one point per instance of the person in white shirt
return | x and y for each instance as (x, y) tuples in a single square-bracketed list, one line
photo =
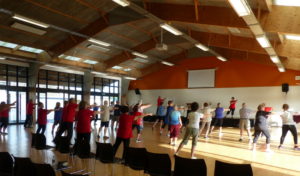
[(192, 129), (245, 115), (105, 117), (288, 124), (206, 121)]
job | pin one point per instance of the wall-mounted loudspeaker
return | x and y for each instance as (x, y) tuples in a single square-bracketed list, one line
[(137, 91), (285, 87)]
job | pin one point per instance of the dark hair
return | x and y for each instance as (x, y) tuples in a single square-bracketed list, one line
[(2, 102), (82, 105), (232, 97), (65, 103), (135, 108), (40, 104), (170, 102), (285, 106), (71, 99), (205, 104), (194, 106), (124, 109), (218, 104)]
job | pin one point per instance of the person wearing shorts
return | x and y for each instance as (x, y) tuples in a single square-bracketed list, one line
[(192, 129), (245, 114), (175, 125), (105, 114), (218, 119), (4, 115)]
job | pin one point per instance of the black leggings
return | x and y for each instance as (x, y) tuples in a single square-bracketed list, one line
[(81, 137), (41, 127), (28, 121), (257, 133), (4, 122), (231, 111), (117, 144), (65, 126), (292, 129)]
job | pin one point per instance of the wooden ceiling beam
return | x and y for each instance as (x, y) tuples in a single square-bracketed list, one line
[(69, 43), (118, 59), (265, 4)]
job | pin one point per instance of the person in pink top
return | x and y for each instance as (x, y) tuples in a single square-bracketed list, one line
[(232, 107)]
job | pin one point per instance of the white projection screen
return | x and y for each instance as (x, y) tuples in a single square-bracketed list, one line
[(201, 78)]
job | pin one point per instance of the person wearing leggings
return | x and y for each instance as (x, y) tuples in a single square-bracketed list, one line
[(261, 126), (4, 115), (288, 124)]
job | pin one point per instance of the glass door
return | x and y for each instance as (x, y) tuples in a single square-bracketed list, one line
[(21, 106), (12, 97)]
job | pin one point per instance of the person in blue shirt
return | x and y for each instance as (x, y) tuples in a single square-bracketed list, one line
[(219, 116), (160, 115), (175, 125), (170, 109), (57, 115)]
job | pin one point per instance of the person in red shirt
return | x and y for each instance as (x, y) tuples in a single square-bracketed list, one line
[(124, 132), (68, 118), (4, 115), (138, 123), (83, 128), (231, 107), (42, 118), (29, 111)]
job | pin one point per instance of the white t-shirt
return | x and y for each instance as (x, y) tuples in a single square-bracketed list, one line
[(194, 119), (207, 114), (287, 118), (105, 115)]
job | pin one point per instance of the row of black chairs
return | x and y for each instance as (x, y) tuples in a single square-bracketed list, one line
[(156, 164)]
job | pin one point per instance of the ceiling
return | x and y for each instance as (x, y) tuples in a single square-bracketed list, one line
[(211, 22)]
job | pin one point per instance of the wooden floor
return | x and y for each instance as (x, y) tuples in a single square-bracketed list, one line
[(227, 148)]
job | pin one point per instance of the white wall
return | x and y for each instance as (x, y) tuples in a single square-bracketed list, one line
[(272, 96)]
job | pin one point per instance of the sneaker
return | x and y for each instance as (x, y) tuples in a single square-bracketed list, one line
[(168, 135), (193, 157), (296, 148), (279, 147), (105, 137), (240, 139), (138, 141), (206, 137)]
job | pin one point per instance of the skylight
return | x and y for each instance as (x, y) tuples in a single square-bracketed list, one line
[(7, 44), (292, 37), (127, 69), (117, 67), (90, 62), (72, 58), (32, 50), (287, 2)]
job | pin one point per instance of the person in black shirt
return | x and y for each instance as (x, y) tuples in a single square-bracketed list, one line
[(261, 126)]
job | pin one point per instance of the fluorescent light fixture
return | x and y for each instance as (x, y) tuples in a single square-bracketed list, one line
[(241, 7), (28, 28), (72, 58), (292, 37), (170, 29), (139, 55), (97, 47), (281, 69), (129, 78), (221, 58), (122, 3), (2, 58), (141, 60), (117, 67), (8, 45), (202, 47), (98, 42), (167, 63), (90, 62), (275, 59), (32, 50), (234, 30), (31, 21), (263, 41), (287, 2), (127, 69), (98, 73)]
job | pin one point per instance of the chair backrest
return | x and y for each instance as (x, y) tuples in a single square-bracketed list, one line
[(158, 164), (6, 163), (136, 158), (222, 168), (190, 167), (105, 152), (24, 166), (67, 174), (44, 170), (63, 144), (40, 141)]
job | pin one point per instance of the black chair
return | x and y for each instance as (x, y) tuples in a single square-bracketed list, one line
[(38, 141), (24, 166), (158, 164), (6, 164), (73, 174), (190, 167), (136, 158), (222, 169), (43, 170), (105, 152)]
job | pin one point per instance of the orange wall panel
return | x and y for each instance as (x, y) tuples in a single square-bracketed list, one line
[(233, 73)]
